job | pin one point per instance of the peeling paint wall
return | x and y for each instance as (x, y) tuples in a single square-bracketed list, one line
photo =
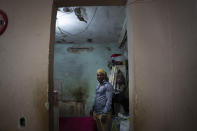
[(73, 69), (165, 41), (24, 49)]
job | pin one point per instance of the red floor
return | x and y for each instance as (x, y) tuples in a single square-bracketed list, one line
[(77, 124)]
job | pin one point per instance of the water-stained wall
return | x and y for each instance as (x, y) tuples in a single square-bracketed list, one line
[(75, 66), (24, 49), (164, 36)]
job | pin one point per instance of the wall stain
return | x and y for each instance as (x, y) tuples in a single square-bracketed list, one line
[(78, 50), (79, 94), (89, 40), (108, 48), (58, 41), (39, 100), (76, 96), (140, 115)]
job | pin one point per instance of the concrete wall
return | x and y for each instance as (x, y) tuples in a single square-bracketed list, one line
[(73, 69), (24, 49), (165, 64)]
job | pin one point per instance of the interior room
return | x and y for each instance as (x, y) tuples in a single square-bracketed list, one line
[(162, 44), (88, 38)]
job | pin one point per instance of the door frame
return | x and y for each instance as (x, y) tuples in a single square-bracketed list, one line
[(67, 3)]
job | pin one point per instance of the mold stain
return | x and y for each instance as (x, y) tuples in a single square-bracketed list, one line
[(89, 40), (59, 42), (76, 96), (78, 50), (79, 94), (108, 48), (140, 113)]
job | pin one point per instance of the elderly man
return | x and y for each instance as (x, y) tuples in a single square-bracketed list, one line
[(102, 102)]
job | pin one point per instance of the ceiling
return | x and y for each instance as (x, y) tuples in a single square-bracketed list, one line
[(91, 24)]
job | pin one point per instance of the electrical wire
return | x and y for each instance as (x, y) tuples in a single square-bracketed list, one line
[(67, 33)]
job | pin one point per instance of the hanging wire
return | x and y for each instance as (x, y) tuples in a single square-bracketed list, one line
[(65, 32)]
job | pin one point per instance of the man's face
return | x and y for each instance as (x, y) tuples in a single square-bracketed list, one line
[(100, 77)]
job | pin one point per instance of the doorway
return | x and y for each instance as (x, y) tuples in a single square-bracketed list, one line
[(76, 60)]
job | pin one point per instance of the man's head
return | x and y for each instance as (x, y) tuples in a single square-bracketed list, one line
[(101, 75)]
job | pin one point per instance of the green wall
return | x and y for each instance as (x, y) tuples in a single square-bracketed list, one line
[(73, 69)]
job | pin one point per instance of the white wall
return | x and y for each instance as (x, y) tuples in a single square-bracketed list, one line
[(165, 64), (24, 49)]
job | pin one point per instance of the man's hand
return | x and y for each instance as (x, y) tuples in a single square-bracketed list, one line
[(103, 118)]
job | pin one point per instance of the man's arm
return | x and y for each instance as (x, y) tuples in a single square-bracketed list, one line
[(109, 93), (93, 106)]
